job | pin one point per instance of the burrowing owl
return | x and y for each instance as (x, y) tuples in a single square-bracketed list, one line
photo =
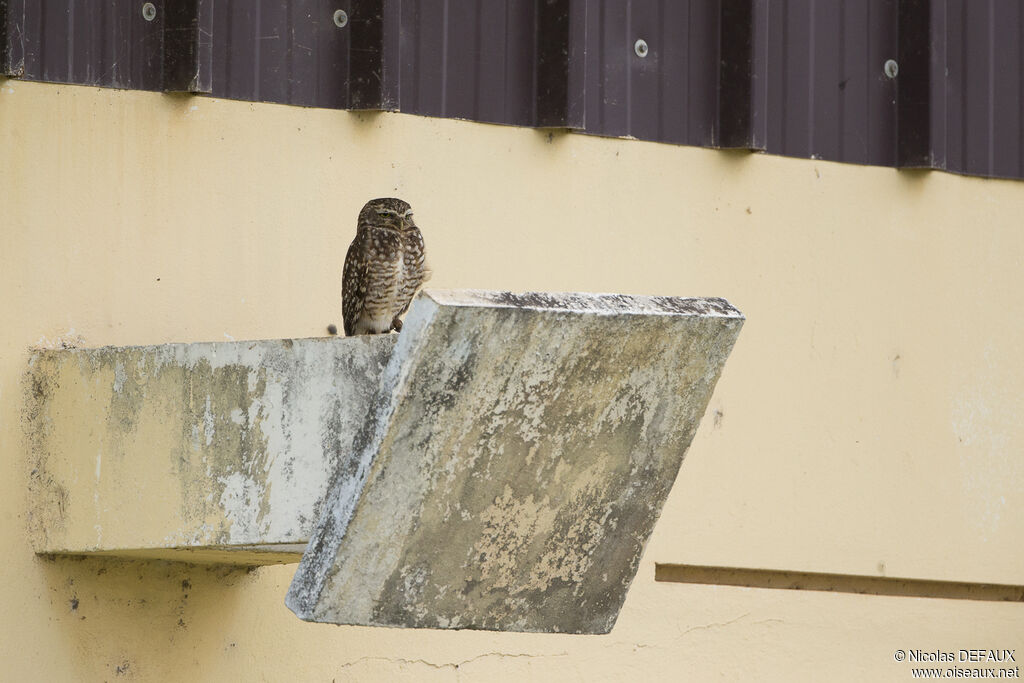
[(384, 267)]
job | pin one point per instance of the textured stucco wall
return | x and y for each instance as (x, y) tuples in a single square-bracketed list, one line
[(867, 420)]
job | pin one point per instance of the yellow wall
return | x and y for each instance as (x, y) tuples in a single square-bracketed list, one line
[(868, 422)]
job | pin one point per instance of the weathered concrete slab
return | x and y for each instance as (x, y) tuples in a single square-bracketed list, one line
[(521, 451), (207, 452)]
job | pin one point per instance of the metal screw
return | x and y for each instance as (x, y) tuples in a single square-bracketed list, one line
[(640, 47), (340, 18), (892, 69), (149, 11)]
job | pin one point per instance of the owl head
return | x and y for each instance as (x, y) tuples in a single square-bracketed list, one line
[(387, 212)]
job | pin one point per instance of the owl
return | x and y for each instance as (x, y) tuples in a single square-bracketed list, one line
[(384, 268)]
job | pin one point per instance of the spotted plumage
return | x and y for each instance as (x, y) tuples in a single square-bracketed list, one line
[(384, 268)]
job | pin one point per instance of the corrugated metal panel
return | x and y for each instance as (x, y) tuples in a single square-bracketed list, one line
[(94, 42), (977, 86), (469, 60), (795, 77), (671, 94), (737, 74), (5, 56), (374, 54), (503, 61), (287, 51), (188, 46), (821, 89)]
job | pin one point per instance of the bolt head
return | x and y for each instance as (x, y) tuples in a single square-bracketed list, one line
[(148, 11), (340, 18), (892, 69), (640, 48)]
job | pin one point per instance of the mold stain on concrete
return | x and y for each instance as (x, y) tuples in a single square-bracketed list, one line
[(215, 446), (47, 497), (525, 458)]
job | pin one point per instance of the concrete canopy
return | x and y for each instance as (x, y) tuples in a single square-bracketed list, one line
[(519, 452)]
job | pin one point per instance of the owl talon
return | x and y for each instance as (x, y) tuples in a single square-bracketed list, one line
[(396, 325)]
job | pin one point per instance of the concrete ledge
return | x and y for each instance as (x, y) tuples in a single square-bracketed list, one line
[(207, 452), (520, 452), (499, 465)]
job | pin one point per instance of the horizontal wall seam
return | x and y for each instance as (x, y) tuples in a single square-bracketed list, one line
[(837, 583)]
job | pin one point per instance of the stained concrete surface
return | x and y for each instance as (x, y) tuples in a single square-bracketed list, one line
[(499, 465), (204, 452), (521, 450)]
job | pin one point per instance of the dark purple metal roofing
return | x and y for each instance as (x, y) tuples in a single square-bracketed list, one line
[(469, 60), (672, 93), (977, 87), (502, 61), (290, 52), (802, 78), (821, 89), (98, 42)]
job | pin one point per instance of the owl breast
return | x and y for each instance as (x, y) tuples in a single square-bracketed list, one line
[(394, 272)]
